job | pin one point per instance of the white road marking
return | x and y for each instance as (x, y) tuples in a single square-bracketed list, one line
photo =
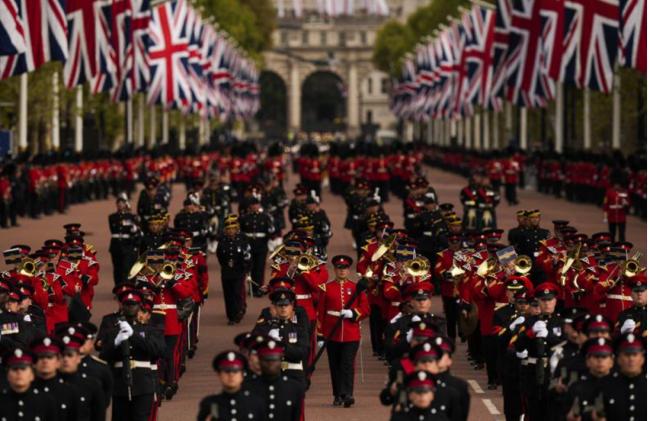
[(492, 409), (476, 387)]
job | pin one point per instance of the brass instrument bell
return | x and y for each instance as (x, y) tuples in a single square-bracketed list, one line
[(27, 267), (523, 264), (417, 267)]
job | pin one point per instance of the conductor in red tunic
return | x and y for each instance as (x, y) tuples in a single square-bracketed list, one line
[(338, 321)]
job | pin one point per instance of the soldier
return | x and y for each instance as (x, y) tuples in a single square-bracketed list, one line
[(341, 307), (194, 220), (511, 176), (469, 197), (320, 222), (515, 234), (530, 238), (488, 200), (19, 398), (47, 361), (615, 206), (635, 318), (234, 255), (422, 403), (129, 347), (92, 405), (275, 202), (150, 201), (282, 323), (216, 199), (125, 237), (430, 225), (258, 226), (156, 232), (235, 402)]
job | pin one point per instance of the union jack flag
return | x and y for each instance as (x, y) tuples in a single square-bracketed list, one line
[(528, 83), (12, 33), (500, 50), (140, 17), (45, 29), (633, 32), (459, 36), (444, 74), (169, 55), (479, 56), (590, 43), (195, 62), (83, 16), (552, 16), (105, 79)]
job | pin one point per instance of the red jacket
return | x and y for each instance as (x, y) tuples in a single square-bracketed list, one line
[(333, 298), (167, 299), (444, 263), (616, 204), (306, 287)]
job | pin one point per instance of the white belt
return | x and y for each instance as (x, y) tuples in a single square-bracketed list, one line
[(619, 297), (531, 360), (291, 366), (120, 235), (255, 234), (355, 217), (470, 203), (395, 303), (196, 233), (164, 306), (615, 206), (410, 216), (428, 233), (134, 364), (303, 296), (334, 313)]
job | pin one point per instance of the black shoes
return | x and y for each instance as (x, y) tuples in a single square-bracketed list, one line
[(337, 401), (348, 401)]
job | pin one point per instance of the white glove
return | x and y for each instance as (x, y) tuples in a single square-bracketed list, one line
[(121, 337), (416, 318), (347, 313), (539, 326), (275, 334), (409, 335), (542, 333), (126, 327), (519, 320), (320, 344), (628, 326), (522, 355)]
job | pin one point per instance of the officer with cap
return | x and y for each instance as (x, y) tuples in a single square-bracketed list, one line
[(515, 234), (193, 219), (340, 310), (125, 237), (320, 222), (422, 403), (92, 405), (430, 225), (235, 402), (282, 396), (19, 398), (150, 201), (283, 324), (234, 255), (47, 362), (635, 318), (129, 349), (258, 226)]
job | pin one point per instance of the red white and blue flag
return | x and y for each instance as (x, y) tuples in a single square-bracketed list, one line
[(479, 56), (12, 33), (633, 33)]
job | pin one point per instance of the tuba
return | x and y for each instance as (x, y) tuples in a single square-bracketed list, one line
[(417, 267), (523, 264), (27, 267)]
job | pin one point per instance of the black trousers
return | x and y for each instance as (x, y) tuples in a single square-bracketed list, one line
[(169, 361), (234, 295), (450, 307), (620, 227), (511, 398), (136, 409), (511, 194), (377, 327), (123, 257), (474, 346), (340, 356), (258, 260), (489, 345)]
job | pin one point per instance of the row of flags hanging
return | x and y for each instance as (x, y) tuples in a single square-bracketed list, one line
[(126, 46), (334, 8), (516, 52)]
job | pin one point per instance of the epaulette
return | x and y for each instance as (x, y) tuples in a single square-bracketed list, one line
[(99, 360), (499, 305)]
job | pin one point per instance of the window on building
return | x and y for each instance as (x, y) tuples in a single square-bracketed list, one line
[(370, 86), (323, 38), (305, 38), (364, 38), (385, 85), (284, 38), (342, 39)]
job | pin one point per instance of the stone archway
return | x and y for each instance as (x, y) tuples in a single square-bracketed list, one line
[(272, 116), (323, 102)]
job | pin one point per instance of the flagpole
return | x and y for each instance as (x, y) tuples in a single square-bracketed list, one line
[(616, 112), (523, 128), (56, 134), (181, 133), (129, 121), (460, 135), (140, 122), (559, 117), (22, 114), (468, 132), (508, 111), (586, 118), (78, 119), (477, 131), (486, 129), (165, 127), (496, 144), (152, 126)]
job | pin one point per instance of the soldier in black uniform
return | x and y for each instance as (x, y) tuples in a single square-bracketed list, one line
[(156, 233), (216, 198), (235, 402), (234, 255), (14, 331), (257, 225), (469, 197), (282, 396), (150, 201), (532, 235), (297, 207), (321, 223), (275, 201), (125, 237), (284, 326), (422, 404), (514, 235), (47, 361), (129, 349), (19, 399), (92, 405), (430, 225), (537, 335), (194, 220), (635, 318)]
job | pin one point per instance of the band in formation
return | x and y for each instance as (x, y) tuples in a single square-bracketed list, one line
[(556, 318)]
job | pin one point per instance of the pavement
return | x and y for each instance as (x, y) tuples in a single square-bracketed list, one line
[(216, 335)]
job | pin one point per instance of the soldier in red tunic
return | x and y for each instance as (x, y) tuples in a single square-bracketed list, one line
[(340, 310), (615, 207)]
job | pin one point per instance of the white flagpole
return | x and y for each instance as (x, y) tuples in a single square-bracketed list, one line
[(56, 133), (586, 118), (165, 127), (616, 112), (129, 121), (152, 126), (468, 132), (523, 128), (559, 117), (140, 122), (22, 114), (181, 133), (496, 144), (477, 131), (486, 130), (78, 120)]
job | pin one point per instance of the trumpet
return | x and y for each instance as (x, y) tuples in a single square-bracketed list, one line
[(417, 267), (307, 262), (27, 267), (632, 266), (168, 271), (523, 264)]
